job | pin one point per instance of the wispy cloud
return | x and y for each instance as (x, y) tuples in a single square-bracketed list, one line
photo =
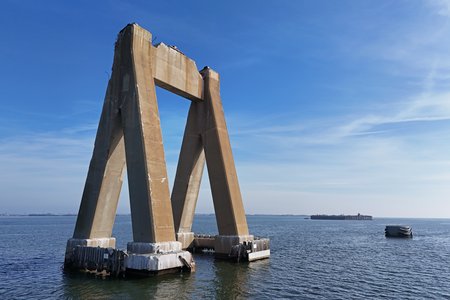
[(441, 7), (43, 172)]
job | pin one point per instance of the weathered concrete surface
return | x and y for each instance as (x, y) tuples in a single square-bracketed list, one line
[(206, 133), (109, 261), (263, 254), (186, 239), (224, 243), (156, 257), (225, 189), (176, 72), (190, 167), (97, 242), (104, 261), (130, 109), (150, 204), (236, 248), (130, 127), (203, 241), (151, 248), (104, 180), (93, 255), (155, 263), (129, 134)]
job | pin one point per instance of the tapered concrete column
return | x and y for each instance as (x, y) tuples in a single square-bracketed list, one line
[(151, 209), (104, 181), (189, 174), (228, 206)]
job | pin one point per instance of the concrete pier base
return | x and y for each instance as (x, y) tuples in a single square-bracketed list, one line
[(154, 258), (73, 243), (94, 255), (241, 247), (235, 248), (98, 242), (223, 244), (186, 239)]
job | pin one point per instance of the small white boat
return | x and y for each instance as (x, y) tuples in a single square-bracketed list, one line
[(402, 231)]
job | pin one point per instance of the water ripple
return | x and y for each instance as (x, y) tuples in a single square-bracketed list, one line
[(310, 260)]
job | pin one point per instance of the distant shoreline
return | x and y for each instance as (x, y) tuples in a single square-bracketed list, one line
[(305, 216)]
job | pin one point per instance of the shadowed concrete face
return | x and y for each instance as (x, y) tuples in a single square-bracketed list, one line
[(104, 180), (130, 125), (206, 133), (190, 170)]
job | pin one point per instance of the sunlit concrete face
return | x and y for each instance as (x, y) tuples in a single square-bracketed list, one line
[(130, 128), (129, 134)]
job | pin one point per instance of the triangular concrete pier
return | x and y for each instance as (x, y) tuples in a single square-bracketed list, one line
[(129, 134)]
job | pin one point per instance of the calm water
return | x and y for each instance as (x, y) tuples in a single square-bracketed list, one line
[(310, 260)]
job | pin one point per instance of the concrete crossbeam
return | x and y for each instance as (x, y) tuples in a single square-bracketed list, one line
[(176, 72)]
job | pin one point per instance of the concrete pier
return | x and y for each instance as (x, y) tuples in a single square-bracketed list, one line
[(206, 139), (232, 248), (129, 134)]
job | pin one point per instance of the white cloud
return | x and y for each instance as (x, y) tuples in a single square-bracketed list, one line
[(441, 7)]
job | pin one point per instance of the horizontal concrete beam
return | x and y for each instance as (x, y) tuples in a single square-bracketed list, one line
[(176, 72)]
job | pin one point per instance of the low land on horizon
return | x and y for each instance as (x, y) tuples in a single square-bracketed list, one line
[(200, 214)]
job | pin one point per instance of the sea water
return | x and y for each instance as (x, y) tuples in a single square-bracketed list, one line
[(310, 259)]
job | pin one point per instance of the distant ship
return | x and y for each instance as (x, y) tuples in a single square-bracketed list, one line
[(341, 217)]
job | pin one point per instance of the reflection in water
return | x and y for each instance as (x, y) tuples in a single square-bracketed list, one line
[(87, 286), (233, 280), (230, 279), (224, 279)]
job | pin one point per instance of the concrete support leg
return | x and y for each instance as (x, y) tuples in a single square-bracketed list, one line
[(228, 206), (206, 133), (151, 209), (104, 181), (154, 248), (188, 176), (225, 189)]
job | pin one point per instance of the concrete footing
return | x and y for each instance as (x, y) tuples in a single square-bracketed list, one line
[(242, 247), (73, 243), (100, 256), (231, 247), (186, 239), (224, 243), (139, 259), (100, 242), (157, 257)]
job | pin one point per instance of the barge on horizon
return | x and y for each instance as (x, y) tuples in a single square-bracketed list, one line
[(341, 217)]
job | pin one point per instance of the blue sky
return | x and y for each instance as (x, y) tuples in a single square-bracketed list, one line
[(332, 106)]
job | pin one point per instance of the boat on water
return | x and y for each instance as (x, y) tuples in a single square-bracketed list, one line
[(400, 231), (341, 217)]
